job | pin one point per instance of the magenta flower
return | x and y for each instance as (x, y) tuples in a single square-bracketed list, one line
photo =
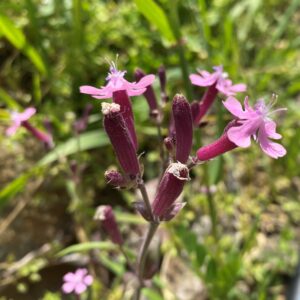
[(21, 119), (77, 282), (117, 82), (18, 119), (254, 122), (219, 79), (119, 89), (215, 82)]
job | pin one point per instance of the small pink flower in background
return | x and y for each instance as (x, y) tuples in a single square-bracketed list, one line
[(219, 79), (18, 118), (77, 282), (215, 82), (21, 119), (255, 122), (117, 82)]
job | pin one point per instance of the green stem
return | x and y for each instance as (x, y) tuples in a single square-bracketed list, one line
[(145, 197), (175, 25), (211, 205), (142, 256)]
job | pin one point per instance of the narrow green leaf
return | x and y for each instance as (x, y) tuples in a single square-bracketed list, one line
[(84, 247), (17, 38), (11, 32), (88, 140), (16, 185), (8, 100), (156, 16), (115, 266)]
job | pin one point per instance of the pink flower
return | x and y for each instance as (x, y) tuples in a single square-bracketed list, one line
[(219, 79), (117, 82), (21, 119), (77, 282), (216, 82), (254, 122), (18, 118)]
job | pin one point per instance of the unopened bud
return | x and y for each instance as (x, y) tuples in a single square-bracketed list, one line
[(120, 138), (114, 178), (170, 144), (163, 80), (183, 127), (169, 189), (195, 109), (81, 124), (206, 102), (149, 93), (104, 213), (121, 98)]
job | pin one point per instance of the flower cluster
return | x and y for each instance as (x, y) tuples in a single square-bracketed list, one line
[(250, 122)]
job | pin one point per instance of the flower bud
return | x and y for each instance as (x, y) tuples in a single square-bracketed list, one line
[(81, 124), (149, 93), (195, 109), (114, 178), (206, 102), (170, 144), (170, 187), (104, 213), (162, 80), (119, 136), (183, 127), (121, 98)]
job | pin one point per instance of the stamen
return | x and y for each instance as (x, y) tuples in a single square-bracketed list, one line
[(273, 101), (277, 110)]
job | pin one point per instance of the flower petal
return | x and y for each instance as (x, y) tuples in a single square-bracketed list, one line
[(270, 128), (240, 136), (204, 81), (272, 149), (145, 81), (27, 114), (136, 92), (90, 90), (80, 288), (68, 287), (88, 279), (69, 276), (240, 87), (12, 129), (234, 106)]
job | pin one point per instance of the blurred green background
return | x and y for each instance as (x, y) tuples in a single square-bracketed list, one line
[(48, 48)]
